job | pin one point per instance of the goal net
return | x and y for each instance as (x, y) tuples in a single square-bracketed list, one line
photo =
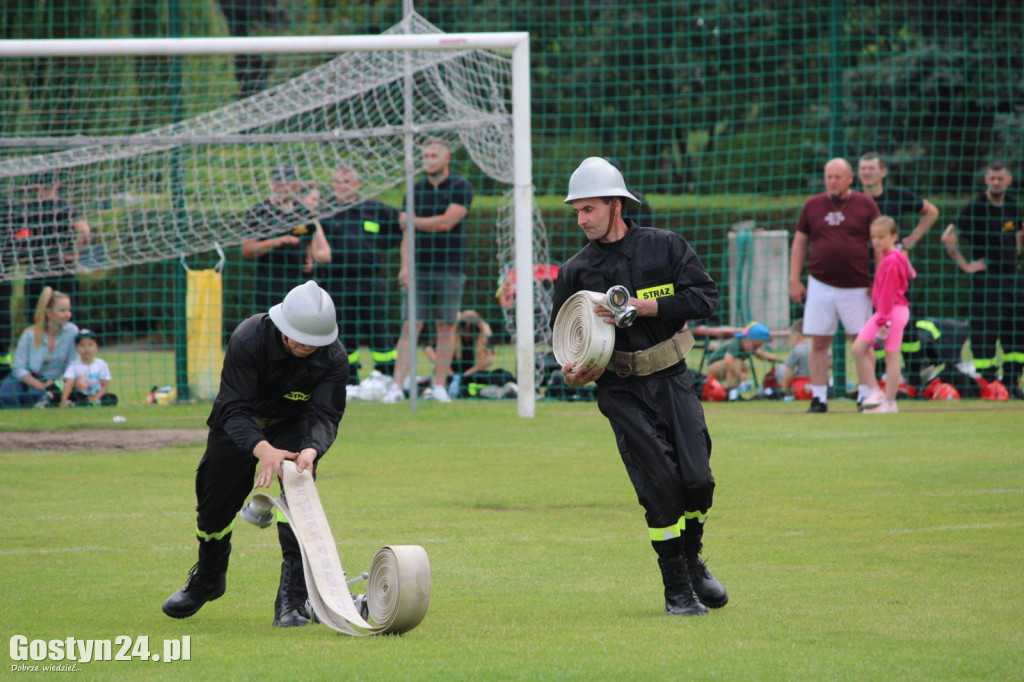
[(161, 174)]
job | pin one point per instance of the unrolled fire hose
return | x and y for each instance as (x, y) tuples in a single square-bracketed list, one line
[(398, 586)]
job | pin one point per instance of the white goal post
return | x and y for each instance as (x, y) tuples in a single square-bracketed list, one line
[(522, 193)]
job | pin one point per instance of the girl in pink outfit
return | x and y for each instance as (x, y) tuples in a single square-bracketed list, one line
[(892, 312)]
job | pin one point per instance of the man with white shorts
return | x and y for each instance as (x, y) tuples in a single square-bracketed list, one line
[(836, 224)]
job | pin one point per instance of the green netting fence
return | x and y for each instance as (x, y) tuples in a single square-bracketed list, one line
[(722, 114)]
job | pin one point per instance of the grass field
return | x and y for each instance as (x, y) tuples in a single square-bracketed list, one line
[(853, 548)]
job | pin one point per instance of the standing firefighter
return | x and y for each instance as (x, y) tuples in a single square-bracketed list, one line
[(657, 418), (282, 395)]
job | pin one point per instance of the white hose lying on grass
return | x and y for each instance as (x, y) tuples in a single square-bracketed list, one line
[(398, 587)]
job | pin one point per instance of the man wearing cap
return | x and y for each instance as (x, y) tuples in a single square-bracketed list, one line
[(282, 395), (286, 258), (6, 264), (48, 236), (656, 416), (728, 363)]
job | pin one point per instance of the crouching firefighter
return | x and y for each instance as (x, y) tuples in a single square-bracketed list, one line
[(282, 396), (646, 392)]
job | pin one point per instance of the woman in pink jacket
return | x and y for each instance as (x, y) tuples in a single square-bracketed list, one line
[(892, 312)]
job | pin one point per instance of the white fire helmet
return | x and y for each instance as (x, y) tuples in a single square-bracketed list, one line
[(596, 177), (307, 315)]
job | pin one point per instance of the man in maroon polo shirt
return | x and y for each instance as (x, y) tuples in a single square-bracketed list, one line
[(837, 226)]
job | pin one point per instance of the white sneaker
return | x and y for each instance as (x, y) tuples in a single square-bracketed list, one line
[(886, 407), (394, 395), (873, 399), (440, 394)]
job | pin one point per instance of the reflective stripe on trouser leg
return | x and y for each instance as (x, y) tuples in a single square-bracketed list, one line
[(677, 529), (666, 533), (668, 460), (985, 363), (219, 535), (384, 361), (382, 356)]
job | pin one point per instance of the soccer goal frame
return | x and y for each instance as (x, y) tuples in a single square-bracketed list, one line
[(515, 42)]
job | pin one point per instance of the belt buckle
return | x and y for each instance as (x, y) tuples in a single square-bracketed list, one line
[(625, 364)]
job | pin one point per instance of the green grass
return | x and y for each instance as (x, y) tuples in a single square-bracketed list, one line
[(853, 548)]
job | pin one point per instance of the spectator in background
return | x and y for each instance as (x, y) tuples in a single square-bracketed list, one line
[(44, 352), (441, 202), (892, 312), (895, 202), (728, 363), (49, 234), (797, 363), (251, 70), (358, 236), (991, 225), (474, 356), (836, 224), (932, 349), (87, 379), (286, 260), (7, 263)]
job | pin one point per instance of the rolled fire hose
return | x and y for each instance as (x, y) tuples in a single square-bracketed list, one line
[(398, 587), (580, 336)]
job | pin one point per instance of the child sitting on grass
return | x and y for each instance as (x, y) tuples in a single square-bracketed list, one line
[(87, 378)]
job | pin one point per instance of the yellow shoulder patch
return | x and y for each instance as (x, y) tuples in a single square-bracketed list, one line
[(659, 291), (297, 396)]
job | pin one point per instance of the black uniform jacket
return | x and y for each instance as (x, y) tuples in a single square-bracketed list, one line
[(262, 384), (651, 263)]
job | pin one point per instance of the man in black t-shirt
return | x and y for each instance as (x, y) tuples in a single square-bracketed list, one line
[(991, 224), (358, 235), (895, 202), (441, 202), (48, 236), (6, 265), (285, 260)]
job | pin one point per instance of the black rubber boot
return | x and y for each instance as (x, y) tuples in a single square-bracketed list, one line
[(206, 581), (707, 587), (289, 607), (680, 599)]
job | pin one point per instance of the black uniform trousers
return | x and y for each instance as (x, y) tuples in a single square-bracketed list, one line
[(997, 313), (225, 476), (664, 442), (363, 320)]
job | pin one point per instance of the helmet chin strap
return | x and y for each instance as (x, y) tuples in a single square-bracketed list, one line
[(613, 218)]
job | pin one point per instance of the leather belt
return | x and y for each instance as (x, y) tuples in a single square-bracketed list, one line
[(661, 356)]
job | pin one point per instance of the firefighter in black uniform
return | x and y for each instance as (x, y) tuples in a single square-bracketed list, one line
[(282, 395), (931, 350), (657, 419), (991, 224), (358, 235), (285, 260)]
